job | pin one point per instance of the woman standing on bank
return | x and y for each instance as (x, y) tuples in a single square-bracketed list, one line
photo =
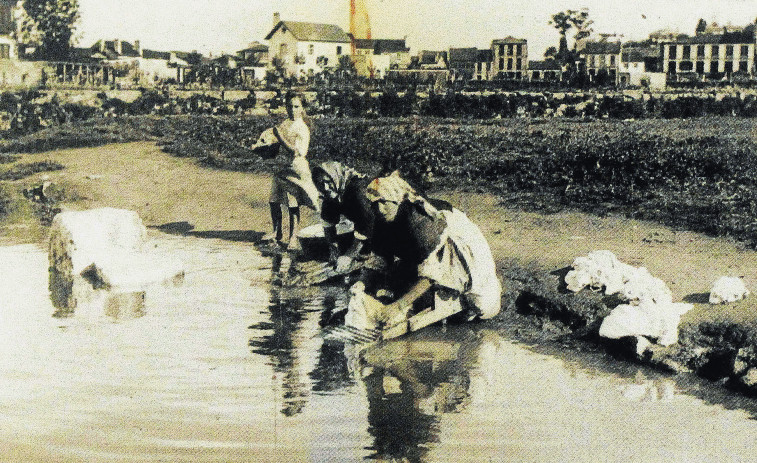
[(292, 184)]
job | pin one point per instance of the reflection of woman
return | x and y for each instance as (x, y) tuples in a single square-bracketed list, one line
[(447, 250), (410, 383), (292, 184)]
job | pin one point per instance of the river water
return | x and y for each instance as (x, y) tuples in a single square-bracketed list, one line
[(227, 366)]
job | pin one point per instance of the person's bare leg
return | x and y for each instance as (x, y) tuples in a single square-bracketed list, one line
[(294, 224), (276, 220)]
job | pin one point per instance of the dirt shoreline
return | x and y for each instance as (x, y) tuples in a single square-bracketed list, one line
[(718, 342)]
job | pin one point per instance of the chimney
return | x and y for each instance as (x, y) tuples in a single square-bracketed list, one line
[(102, 46), (137, 48), (117, 46), (276, 18)]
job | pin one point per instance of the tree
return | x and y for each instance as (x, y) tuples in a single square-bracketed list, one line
[(578, 20), (550, 53), (701, 26), (565, 22), (50, 24)]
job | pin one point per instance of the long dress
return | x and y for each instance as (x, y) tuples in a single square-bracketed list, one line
[(292, 184)]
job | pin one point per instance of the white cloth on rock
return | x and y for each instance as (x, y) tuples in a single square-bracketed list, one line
[(728, 289), (654, 320)]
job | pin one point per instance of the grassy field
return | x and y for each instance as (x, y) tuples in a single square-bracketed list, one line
[(697, 174)]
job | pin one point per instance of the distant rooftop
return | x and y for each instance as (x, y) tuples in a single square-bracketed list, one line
[(601, 48), (311, 32)]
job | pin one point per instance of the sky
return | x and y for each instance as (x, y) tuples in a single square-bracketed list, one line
[(218, 26)]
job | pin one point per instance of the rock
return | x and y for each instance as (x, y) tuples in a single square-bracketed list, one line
[(653, 320), (79, 238), (727, 289), (102, 249)]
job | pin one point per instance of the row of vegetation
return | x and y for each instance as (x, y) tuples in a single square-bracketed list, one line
[(28, 112), (697, 174)]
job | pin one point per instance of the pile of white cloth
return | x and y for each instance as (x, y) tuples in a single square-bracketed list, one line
[(649, 311)]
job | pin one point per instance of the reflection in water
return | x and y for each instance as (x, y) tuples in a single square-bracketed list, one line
[(125, 305), (410, 383), (286, 316)]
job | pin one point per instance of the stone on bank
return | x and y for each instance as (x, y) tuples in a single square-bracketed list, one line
[(103, 248)]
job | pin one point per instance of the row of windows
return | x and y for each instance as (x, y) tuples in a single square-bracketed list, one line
[(700, 50), (699, 67), (596, 61), (518, 64), (511, 49), (283, 49)]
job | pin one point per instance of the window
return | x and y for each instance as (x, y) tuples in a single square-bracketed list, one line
[(715, 51), (728, 67), (509, 64), (283, 49), (5, 51), (338, 50), (672, 51), (686, 66), (729, 51), (671, 67), (311, 49), (700, 67), (501, 63), (612, 60), (511, 49), (518, 50), (686, 51), (743, 66), (501, 49), (700, 51)]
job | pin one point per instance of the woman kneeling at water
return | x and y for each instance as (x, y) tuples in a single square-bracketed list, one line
[(448, 251)]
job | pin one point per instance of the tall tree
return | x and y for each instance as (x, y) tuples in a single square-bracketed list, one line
[(50, 24), (577, 25), (701, 26)]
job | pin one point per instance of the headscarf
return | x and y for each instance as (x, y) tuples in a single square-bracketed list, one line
[(338, 174), (395, 189)]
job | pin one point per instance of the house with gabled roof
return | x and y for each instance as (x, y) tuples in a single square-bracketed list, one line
[(304, 48)]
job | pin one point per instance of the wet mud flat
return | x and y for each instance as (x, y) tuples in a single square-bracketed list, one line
[(228, 365)]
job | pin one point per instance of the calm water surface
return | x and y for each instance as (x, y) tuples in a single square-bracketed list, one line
[(227, 366)]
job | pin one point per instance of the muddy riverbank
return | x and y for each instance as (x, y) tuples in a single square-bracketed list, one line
[(531, 249)]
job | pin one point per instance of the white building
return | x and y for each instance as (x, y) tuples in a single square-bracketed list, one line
[(305, 49), (8, 47)]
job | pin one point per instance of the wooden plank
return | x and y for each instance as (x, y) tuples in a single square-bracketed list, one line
[(441, 310)]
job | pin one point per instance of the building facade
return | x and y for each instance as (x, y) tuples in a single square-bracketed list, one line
[(510, 58), (374, 57), (601, 59), (707, 56), (305, 49)]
